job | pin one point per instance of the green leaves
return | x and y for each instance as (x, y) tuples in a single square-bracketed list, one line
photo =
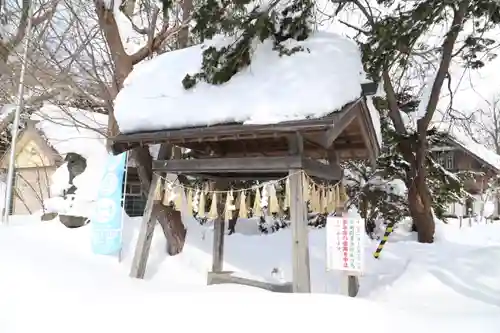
[(244, 27)]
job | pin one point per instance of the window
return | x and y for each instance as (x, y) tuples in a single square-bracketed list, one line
[(446, 159), (134, 201), (450, 161)]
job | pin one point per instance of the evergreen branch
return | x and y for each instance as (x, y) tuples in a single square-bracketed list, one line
[(368, 14)]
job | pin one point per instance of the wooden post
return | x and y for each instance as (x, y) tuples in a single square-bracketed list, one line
[(298, 218), (349, 284), (219, 229), (145, 233), (218, 245)]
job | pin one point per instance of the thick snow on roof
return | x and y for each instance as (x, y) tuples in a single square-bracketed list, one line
[(308, 84), (460, 137), (72, 130)]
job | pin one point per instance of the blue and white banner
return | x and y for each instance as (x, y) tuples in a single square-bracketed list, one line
[(107, 218)]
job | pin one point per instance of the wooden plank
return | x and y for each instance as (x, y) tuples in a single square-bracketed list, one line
[(141, 254), (219, 231), (222, 132), (333, 158), (228, 277), (321, 170), (298, 218), (368, 137), (237, 164), (339, 126), (241, 176)]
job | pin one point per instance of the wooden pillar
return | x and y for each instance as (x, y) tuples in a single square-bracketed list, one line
[(219, 230), (145, 233), (298, 219), (218, 245), (349, 284)]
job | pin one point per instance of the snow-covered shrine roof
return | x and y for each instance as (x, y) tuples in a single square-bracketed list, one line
[(309, 84)]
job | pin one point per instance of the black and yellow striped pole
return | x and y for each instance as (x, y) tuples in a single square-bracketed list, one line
[(384, 240)]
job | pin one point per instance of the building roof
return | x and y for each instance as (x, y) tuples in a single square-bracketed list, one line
[(72, 130), (461, 139), (308, 84)]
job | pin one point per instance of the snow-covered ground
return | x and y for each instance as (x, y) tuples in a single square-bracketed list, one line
[(51, 282)]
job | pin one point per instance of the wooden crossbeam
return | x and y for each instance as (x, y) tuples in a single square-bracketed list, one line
[(228, 165), (249, 165)]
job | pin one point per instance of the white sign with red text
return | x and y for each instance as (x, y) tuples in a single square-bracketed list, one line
[(345, 244)]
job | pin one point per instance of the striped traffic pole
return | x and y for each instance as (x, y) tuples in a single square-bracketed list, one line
[(384, 240)]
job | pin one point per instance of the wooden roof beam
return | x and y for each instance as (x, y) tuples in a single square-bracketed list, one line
[(249, 165), (366, 139), (229, 165), (336, 129)]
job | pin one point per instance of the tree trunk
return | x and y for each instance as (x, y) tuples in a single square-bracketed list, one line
[(419, 202), (422, 217), (232, 222), (173, 228), (419, 196), (169, 218), (183, 37)]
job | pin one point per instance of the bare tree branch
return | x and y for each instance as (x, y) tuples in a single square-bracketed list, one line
[(156, 42)]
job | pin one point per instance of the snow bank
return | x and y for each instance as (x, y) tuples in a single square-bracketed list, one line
[(450, 286), (71, 130), (308, 84)]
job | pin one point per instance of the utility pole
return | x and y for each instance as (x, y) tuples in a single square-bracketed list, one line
[(15, 128)]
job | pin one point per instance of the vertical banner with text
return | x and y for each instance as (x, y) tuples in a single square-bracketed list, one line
[(345, 244), (107, 217)]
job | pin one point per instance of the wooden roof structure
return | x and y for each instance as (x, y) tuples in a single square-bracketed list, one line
[(241, 151)]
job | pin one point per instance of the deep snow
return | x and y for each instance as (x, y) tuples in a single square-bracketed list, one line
[(51, 282)]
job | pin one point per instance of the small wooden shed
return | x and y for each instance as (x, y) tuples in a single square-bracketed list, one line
[(314, 141)]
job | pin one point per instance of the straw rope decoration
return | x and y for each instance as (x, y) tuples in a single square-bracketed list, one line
[(322, 198)]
